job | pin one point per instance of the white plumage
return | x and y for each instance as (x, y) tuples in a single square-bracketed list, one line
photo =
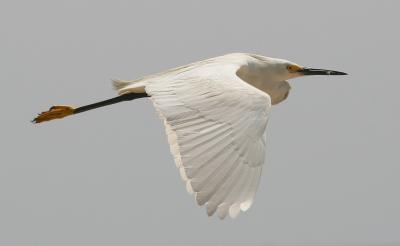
[(215, 114), (215, 123)]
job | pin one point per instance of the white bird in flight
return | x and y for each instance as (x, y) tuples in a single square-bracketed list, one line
[(215, 114)]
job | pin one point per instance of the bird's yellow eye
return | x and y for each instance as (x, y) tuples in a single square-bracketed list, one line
[(293, 68)]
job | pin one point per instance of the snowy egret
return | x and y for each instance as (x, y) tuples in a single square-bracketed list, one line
[(215, 113)]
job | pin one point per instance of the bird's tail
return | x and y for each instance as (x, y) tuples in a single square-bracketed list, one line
[(128, 86), (119, 84)]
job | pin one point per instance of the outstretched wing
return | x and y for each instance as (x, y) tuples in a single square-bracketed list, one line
[(215, 124)]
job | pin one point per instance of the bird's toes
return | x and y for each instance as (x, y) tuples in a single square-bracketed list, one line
[(55, 112)]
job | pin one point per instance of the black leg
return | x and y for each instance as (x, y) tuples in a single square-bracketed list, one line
[(61, 111), (124, 97)]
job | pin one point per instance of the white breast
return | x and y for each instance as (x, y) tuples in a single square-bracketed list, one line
[(278, 91)]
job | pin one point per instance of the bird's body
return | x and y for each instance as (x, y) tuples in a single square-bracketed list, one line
[(253, 69), (215, 113)]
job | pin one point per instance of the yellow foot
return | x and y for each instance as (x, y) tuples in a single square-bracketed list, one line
[(55, 112)]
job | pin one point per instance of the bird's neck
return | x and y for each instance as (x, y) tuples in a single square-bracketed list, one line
[(278, 90)]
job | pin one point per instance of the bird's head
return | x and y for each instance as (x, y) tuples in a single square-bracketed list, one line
[(274, 69), (288, 70)]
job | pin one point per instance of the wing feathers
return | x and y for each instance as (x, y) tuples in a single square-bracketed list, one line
[(215, 124)]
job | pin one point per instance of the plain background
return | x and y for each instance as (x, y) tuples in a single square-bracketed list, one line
[(107, 178)]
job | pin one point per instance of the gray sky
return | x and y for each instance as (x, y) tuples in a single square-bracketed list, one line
[(107, 178)]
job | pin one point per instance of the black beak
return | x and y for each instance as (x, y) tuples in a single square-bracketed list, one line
[(316, 71)]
